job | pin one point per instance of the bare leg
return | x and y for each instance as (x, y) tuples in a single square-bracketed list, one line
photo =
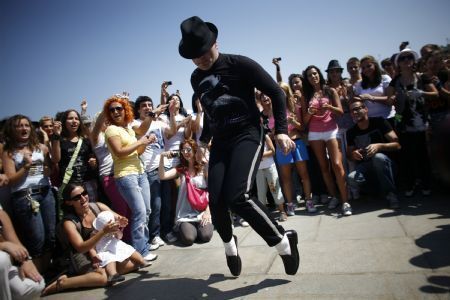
[(304, 176), (319, 150), (96, 278), (286, 181), (338, 168)]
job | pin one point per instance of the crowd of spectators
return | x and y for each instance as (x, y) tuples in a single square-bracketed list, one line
[(377, 133)]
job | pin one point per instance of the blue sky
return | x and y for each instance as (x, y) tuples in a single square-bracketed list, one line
[(54, 53)]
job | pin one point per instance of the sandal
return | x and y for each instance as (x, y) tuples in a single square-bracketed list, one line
[(54, 287)]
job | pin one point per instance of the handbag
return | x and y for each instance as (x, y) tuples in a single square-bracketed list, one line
[(197, 197)]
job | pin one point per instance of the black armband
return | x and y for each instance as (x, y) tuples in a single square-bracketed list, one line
[(55, 137)]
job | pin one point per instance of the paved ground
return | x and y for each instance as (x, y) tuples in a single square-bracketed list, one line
[(375, 254)]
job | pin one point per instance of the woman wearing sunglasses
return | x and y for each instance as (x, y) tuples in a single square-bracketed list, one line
[(82, 238), (191, 224), (129, 173)]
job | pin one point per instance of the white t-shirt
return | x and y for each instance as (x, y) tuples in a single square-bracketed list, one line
[(150, 156), (173, 144), (104, 157), (266, 162), (377, 109)]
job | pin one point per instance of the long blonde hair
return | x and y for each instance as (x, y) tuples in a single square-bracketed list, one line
[(290, 100)]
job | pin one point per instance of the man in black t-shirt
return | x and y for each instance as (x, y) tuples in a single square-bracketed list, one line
[(225, 84), (368, 143)]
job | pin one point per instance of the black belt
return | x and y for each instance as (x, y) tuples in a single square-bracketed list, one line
[(30, 191)]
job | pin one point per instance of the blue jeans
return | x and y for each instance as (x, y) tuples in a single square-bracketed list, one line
[(136, 192), (37, 229), (377, 173), (157, 187)]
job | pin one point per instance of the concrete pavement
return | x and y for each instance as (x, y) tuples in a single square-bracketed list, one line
[(377, 253)]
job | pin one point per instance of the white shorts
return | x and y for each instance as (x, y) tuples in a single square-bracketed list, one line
[(323, 136)]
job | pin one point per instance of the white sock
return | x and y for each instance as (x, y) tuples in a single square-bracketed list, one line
[(283, 247), (230, 248)]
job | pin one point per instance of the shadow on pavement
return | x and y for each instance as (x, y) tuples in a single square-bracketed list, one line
[(144, 287)]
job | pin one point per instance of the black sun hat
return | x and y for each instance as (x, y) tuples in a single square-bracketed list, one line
[(197, 37), (334, 64)]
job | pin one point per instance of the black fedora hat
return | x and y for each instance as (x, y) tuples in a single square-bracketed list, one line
[(334, 64), (197, 37)]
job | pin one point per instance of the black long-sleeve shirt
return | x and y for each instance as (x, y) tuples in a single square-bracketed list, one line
[(227, 94)]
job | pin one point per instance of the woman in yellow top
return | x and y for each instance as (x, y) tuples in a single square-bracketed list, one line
[(129, 174)]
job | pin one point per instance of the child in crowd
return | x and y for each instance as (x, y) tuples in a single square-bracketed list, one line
[(110, 249)]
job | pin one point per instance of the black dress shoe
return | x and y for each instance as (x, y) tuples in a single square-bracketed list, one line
[(291, 262), (234, 262)]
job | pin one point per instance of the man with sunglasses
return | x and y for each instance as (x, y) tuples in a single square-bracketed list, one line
[(369, 141), (225, 84)]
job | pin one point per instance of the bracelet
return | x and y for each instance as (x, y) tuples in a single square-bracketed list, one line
[(309, 111), (55, 137)]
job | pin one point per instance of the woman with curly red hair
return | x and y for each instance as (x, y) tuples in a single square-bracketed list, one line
[(129, 174)]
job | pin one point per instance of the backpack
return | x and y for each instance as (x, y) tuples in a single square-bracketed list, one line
[(79, 263)]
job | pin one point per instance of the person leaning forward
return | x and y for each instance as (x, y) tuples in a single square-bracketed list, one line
[(225, 84)]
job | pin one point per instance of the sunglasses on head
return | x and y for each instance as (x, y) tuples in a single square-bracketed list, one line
[(406, 57), (113, 109), (78, 197)]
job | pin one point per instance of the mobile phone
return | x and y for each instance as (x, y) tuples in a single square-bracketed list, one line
[(174, 153), (169, 82)]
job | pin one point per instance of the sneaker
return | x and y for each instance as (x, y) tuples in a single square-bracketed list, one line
[(283, 217), (157, 240), (324, 199), (393, 200), (346, 209), (409, 193), (243, 223), (315, 199), (234, 262), (151, 257), (153, 247), (291, 262), (310, 206), (426, 193), (171, 237), (290, 209), (334, 202)]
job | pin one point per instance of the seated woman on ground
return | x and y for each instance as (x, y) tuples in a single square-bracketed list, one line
[(191, 224), (78, 221)]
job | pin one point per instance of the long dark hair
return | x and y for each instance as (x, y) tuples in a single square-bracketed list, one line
[(9, 131), (366, 82), (182, 111), (184, 164), (308, 89), (67, 209), (81, 131)]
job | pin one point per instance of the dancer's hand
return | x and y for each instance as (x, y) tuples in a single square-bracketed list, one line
[(284, 142)]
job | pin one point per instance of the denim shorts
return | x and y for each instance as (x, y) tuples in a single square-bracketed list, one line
[(300, 153)]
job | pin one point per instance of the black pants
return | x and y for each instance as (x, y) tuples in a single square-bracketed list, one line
[(415, 161), (233, 164)]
